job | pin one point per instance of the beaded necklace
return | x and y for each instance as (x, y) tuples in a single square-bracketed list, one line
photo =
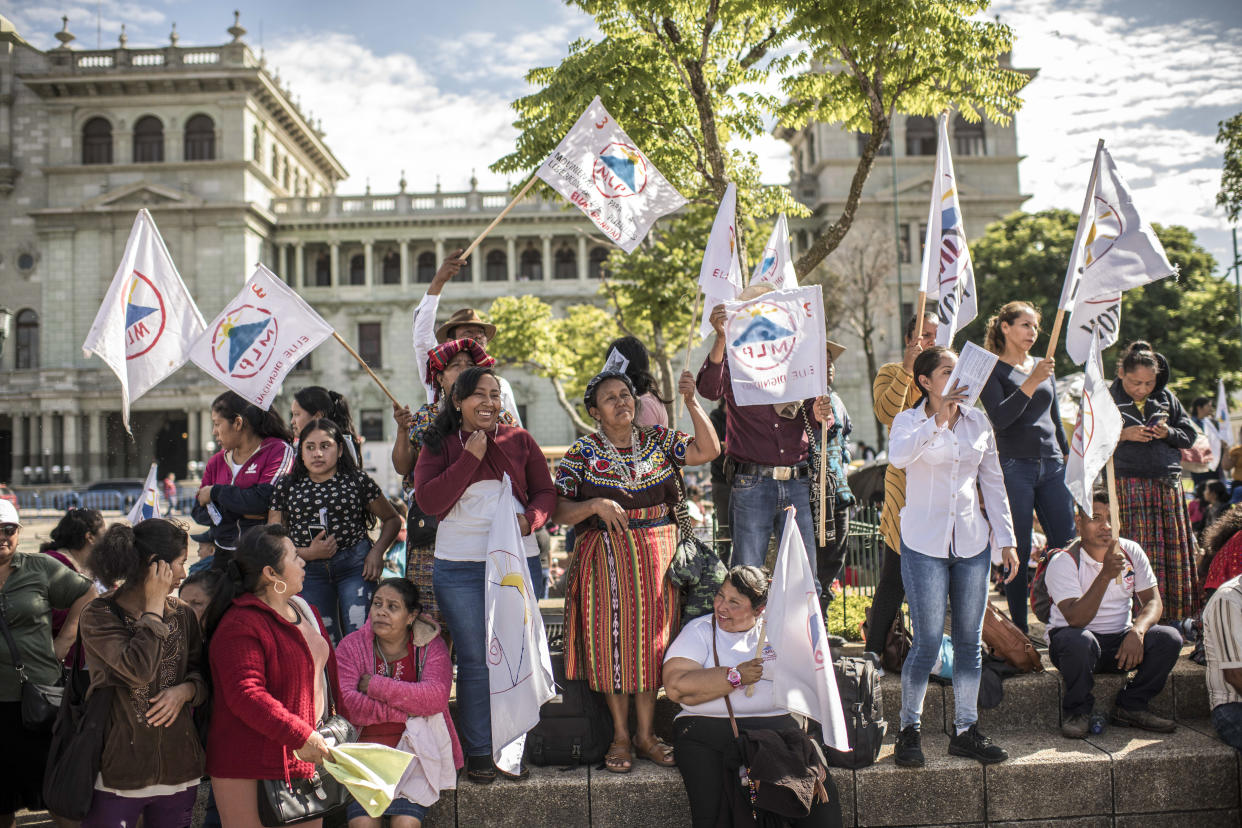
[(634, 469)]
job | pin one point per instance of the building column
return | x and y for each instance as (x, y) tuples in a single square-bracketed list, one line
[(192, 430), (299, 270), (368, 258), (582, 258), (70, 457), (96, 456), (511, 257), (19, 446), (47, 445), (334, 263), (440, 251), (403, 250), (547, 258)]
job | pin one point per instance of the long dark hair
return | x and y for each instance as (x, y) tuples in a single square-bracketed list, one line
[(259, 547), (71, 531), (230, 405), (214, 582), (345, 465), (925, 365), (329, 404), (448, 421), (125, 553), (639, 369)]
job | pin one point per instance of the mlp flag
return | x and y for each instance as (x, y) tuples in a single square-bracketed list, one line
[(775, 266), (597, 167), (1095, 434), (720, 277), (147, 506), (777, 347), (1114, 250), (258, 337), (518, 665), (803, 680), (147, 321), (947, 269)]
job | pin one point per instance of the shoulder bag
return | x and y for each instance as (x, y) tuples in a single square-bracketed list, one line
[(39, 701)]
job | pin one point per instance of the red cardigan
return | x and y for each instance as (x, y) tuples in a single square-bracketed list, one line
[(263, 678), (441, 479)]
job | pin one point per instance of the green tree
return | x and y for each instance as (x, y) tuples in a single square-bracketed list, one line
[(1191, 319), (1230, 195)]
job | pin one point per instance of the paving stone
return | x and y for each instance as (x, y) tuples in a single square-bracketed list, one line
[(1048, 776), (1197, 819), (1190, 691), (646, 796), (1160, 773), (933, 705), (1073, 822), (949, 790), (551, 797)]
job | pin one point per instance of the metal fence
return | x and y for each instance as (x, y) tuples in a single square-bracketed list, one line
[(36, 501), (864, 557)]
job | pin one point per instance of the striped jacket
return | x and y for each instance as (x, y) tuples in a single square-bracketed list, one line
[(893, 392)]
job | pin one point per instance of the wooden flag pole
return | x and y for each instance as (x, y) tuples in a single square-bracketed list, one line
[(763, 637), (823, 482), (694, 323), (1114, 515), (474, 244), (1055, 335), (367, 368), (920, 308)]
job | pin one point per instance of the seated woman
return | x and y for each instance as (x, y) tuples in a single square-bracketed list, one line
[(1222, 555), (618, 487), (395, 682), (707, 669)]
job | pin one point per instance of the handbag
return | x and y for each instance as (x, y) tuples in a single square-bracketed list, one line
[(290, 801), (39, 701), (1006, 641), (1199, 458), (897, 643)]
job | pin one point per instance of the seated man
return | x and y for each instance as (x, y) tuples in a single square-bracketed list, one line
[(1090, 628), (1222, 644)]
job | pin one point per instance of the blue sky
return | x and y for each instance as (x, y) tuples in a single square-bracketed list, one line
[(425, 87)]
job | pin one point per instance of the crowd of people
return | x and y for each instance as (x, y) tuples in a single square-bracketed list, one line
[(229, 669)]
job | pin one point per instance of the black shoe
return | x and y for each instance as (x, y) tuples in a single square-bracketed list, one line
[(909, 752), (974, 745), (1076, 726), (480, 770), (1143, 719)]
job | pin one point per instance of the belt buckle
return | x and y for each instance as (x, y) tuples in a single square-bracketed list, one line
[(782, 472)]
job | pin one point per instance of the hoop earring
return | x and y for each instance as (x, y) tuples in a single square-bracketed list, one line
[(280, 587)]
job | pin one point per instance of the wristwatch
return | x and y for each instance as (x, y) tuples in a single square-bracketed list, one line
[(734, 677)]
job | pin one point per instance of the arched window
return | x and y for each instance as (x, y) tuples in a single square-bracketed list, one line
[(595, 264), (530, 266), (390, 273), (200, 139), (357, 270), (257, 149), (323, 270), (426, 268), (565, 264), (920, 135), (968, 138), (27, 340), (148, 140), (497, 267), (97, 141)]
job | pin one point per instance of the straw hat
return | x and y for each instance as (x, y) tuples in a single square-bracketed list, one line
[(465, 316)]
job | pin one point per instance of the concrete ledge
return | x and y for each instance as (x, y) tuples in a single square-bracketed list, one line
[(948, 790), (443, 814), (1197, 819), (1164, 773), (551, 797), (646, 796), (1031, 702), (933, 705), (1048, 777), (1076, 822)]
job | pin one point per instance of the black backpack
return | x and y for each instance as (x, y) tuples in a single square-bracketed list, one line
[(575, 727), (859, 686)]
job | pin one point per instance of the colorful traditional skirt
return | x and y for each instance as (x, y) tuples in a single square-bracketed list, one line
[(620, 612), (1153, 515), (420, 563)]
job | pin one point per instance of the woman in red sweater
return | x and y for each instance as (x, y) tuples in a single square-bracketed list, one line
[(458, 478), (270, 657)]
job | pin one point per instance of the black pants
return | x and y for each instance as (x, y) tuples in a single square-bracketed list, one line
[(720, 505), (830, 559), (1079, 654), (22, 761), (699, 745), (889, 593)]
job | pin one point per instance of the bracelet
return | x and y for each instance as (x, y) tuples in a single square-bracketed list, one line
[(158, 617)]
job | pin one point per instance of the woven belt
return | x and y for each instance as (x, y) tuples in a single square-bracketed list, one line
[(775, 472)]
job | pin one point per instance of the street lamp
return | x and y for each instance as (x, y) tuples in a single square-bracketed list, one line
[(6, 327)]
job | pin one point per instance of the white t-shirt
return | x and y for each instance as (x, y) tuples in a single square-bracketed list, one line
[(695, 643), (1113, 616)]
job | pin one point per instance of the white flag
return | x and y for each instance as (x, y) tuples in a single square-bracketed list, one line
[(147, 506), (776, 266), (1222, 430), (258, 338), (597, 167), (947, 274), (720, 276), (1095, 434), (518, 664), (803, 680), (777, 347), (1114, 251), (147, 321)]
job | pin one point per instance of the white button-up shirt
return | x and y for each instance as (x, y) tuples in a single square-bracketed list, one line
[(942, 465)]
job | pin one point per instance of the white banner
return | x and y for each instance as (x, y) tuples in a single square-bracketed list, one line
[(258, 338), (597, 167), (519, 667), (777, 347), (720, 276), (148, 320), (803, 680), (1095, 434), (776, 266), (947, 272), (147, 506), (1221, 432)]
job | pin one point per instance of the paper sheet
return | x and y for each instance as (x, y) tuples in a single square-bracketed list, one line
[(974, 366)]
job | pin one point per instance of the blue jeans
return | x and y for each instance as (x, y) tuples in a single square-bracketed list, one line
[(461, 592), (336, 588), (1227, 719), (931, 583), (757, 512), (1035, 487)]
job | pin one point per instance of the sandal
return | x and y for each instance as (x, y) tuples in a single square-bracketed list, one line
[(479, 769), (619, 758), (658, 752)]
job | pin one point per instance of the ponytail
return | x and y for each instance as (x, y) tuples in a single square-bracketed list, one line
[(1138, 354), (71, 531), (122, 557), (264, 424), (332, 405), (260, 547), (925, 365)]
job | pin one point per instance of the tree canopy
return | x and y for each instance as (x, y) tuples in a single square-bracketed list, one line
[(1230, 195)]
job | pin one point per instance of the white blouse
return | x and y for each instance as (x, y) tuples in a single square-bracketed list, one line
[(942, 465)]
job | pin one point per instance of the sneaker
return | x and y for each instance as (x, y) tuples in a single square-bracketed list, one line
[(875, 662), (974, 745), (1143, 719), (1076, 727), (909, 752)]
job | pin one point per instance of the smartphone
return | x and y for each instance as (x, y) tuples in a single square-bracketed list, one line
[(316, 529), (1157, 418)]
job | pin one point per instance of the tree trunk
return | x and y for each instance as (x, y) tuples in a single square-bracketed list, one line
[(580, 425), (868, 341)]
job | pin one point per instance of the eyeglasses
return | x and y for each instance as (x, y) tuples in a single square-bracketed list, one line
[(8, 530)]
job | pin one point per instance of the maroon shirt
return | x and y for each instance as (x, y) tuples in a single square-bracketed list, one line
[(755, 433)]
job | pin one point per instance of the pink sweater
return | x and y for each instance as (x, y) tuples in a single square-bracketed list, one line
[(393, 700)]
